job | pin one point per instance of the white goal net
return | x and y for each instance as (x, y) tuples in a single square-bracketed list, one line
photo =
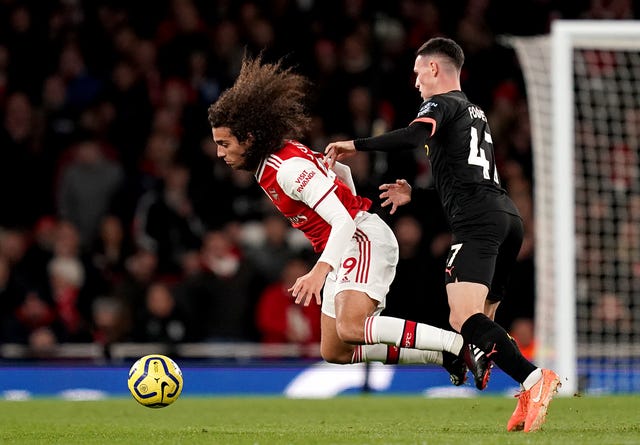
[(583, 88)]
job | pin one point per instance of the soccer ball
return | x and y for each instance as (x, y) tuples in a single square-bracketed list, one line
[(155, 381)]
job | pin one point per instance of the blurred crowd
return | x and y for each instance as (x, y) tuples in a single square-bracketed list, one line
[(117, 223)]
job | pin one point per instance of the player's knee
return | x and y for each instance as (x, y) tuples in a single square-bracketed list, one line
[(352, 333), (456, 321), (337, 357)]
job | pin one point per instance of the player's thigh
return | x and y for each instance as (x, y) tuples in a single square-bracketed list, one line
[(476, 247), (468, 274), (507, 257), (368, 265), (332, 348)]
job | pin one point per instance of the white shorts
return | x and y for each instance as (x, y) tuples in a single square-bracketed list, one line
[(368, 264)]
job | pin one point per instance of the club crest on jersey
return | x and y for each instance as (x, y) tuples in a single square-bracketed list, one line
[(296, 220), (273, 194)]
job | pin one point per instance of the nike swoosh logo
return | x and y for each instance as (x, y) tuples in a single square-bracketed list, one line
[(536, 399)]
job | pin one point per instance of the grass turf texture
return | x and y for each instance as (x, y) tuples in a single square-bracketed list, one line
[(342, 420)]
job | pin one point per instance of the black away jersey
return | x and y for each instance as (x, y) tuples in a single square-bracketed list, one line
[(460, 149)]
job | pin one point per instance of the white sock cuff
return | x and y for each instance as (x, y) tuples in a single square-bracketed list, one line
[(370, 353), (532, 379), (379, 329), (419, 356)]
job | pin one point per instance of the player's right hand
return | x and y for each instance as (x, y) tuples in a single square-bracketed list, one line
[(309, 286), (335, 151)]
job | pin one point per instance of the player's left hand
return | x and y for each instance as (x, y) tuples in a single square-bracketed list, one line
[(396, 194)]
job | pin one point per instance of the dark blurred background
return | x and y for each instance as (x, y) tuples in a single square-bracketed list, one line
[(117, 224)]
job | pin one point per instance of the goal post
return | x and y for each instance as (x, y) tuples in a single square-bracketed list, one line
[(583, 89)]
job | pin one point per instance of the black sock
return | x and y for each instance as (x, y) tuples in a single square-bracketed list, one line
[(448, 358), (481, 331)]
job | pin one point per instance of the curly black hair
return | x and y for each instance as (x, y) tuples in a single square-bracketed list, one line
[(266, 104)]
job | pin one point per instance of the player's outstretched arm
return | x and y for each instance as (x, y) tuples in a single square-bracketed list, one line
[(396, 194), (336, 151)]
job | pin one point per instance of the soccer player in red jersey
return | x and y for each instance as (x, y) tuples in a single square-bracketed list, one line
[(254, 124)]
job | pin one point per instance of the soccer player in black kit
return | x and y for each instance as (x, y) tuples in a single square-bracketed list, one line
[(485, 223)]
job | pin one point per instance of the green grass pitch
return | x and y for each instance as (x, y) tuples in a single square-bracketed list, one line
[(363, 419)]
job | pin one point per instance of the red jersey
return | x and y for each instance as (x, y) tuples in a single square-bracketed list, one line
[(296, 179)]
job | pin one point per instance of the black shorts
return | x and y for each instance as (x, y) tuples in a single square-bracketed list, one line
[(484, 251)]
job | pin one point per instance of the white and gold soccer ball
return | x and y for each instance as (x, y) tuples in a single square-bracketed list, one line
[(155, 381)]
